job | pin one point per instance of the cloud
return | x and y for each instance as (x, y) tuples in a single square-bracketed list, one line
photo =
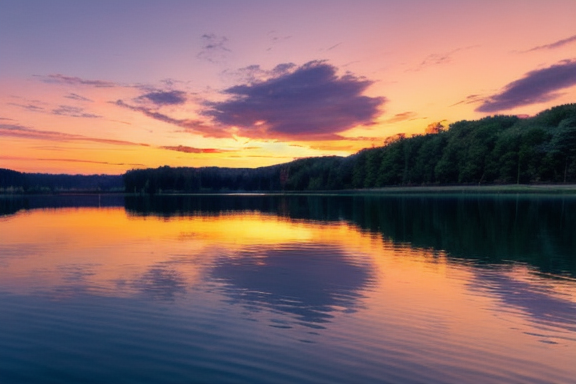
[(275, 39), (70, 80), (67, 110), (439, 58), (77, 97), (189, 125), (471, 99), (162, 98), (68, 160), (214, 49), (254, 73), (557, 44), (14, 130), (62, 110), (29, 107), (401, 117), (309, 101), (535, 87), (186, 149)]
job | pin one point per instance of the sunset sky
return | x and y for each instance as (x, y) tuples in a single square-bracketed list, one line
[(106, 86)]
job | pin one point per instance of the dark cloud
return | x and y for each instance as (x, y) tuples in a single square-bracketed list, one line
[(214, 48), (161, 98), (71, 80), (254, 73), (67, 110), (189, 125), (310, 102), (557, 44), (77, 97), (14, 130), (535, 87), (186, 149)]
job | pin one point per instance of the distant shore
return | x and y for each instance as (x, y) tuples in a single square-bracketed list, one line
[(456, 189), (539, 189)]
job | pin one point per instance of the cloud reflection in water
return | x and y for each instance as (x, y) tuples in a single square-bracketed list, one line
[(310, 282)]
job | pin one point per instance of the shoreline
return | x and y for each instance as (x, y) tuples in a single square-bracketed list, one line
[(528, 189)]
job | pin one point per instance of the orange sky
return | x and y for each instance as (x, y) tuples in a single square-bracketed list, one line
[(103, 87)]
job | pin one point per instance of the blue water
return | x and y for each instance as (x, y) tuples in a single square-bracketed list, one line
[(279, 291)]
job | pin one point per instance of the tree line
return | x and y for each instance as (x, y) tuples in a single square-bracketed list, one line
[(20, 182), (492, 150)]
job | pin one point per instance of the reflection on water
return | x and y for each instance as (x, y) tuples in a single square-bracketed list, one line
[(534, 298), (537, 230), (254, 288), (307, 281)]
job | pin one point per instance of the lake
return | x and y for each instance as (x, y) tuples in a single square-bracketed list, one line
[(288, 289)]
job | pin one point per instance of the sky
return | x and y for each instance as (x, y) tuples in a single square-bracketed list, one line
[(94, 87)]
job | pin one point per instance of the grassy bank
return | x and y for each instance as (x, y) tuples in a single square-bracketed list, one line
[(565, 189)]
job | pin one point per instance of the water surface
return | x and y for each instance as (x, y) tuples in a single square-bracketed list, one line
[(309, 289)]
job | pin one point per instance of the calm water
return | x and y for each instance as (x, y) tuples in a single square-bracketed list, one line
[(273, 289)]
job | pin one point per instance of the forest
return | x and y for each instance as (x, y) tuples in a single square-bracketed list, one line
[(20, 182), (493, 150)]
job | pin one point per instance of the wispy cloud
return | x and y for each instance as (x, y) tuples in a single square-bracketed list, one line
[(556, 44), (61, 110), (401, 117), (15, 130), (74, 96), (535, 87), (67, 110), (470, 99), (161, 98), (189, 125), (186, 149), (439, 58), (29, 107), (310, 102), (68, 160), (214, 48), (71, 80), (275, 39)]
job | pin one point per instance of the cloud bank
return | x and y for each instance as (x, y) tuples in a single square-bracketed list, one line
[(308, 102), (535, 87)]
